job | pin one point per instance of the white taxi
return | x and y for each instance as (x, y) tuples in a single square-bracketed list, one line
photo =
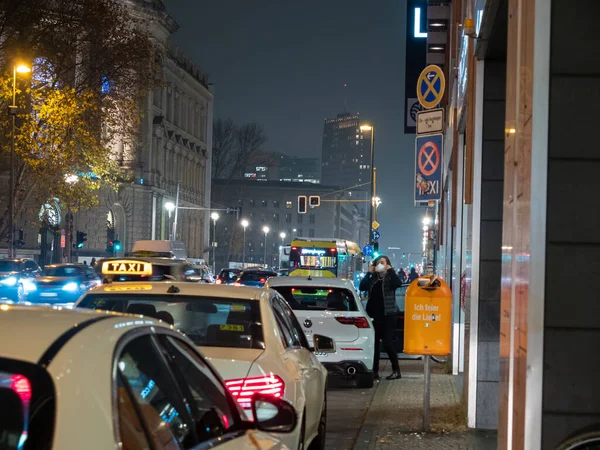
[(332, 307), (250, 335), (83, 379)]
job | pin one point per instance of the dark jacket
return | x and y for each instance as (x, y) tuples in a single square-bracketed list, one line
[(390, 283)]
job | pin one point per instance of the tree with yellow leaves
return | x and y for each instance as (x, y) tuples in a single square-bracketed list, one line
[(93, 63)]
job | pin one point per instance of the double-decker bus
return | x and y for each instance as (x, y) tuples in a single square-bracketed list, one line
[(327, 257)]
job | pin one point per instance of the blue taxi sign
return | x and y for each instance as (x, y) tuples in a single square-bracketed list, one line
[(431, 86), (367, 250)]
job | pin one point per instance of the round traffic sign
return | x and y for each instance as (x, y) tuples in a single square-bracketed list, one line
[(431, 86), (375, 235), (367, 250), (428, 158)]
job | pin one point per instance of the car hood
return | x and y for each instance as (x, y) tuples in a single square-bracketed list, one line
[(8, 274)]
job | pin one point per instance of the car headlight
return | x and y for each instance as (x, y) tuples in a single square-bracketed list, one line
[(71, 287), (10, 281)]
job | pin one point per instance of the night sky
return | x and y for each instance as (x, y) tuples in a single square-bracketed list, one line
[(283, 64)]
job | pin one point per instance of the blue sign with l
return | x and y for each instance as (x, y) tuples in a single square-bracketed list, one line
[(428, 167)]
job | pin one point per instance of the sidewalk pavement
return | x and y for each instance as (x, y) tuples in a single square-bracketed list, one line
[(395, 417)]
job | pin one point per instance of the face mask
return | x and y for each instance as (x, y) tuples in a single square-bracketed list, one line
[(380, 267)]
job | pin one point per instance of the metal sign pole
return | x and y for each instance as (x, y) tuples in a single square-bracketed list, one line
[(426, 393)]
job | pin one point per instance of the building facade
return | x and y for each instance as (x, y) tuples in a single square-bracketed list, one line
[(275, 166), (346, 152), (274, 204), (517, 230), (173, 153)]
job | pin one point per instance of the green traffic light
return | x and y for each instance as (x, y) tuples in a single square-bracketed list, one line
[(375, 254), (80, 245)]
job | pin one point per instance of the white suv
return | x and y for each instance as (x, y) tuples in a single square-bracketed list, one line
[(332, 307)]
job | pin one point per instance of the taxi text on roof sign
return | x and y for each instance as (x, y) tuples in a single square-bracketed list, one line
[(126, 267)]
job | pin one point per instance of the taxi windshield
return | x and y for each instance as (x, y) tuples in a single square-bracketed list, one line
[(208, 321)]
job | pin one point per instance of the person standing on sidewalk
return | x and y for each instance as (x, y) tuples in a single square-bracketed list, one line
[(381, 283)]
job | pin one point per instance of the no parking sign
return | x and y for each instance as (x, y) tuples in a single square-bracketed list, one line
[(428, 167)]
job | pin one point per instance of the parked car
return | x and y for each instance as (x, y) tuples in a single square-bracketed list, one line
[(82, 379), (62, 283), (332, 307), (250, 335), (16, 275)]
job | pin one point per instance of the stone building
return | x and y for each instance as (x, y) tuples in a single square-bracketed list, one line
[(274, 204), (174, 149)]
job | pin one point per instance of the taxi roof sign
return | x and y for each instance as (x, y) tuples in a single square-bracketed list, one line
[(126, 267)]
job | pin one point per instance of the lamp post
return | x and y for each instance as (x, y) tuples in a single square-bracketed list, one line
[(214, 216), (371, 214), (12, 110), (70, 179), (244, 224), (170, 207), (266, 231)]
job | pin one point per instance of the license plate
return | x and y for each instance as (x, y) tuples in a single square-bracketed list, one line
[(48, 294)]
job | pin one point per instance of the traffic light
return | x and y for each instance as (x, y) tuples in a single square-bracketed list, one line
[(314, 201), (81, 238), (110, 247), (117, 246), (302, 204), (375, 249)]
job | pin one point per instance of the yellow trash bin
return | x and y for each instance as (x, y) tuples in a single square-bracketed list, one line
[(428, 317)]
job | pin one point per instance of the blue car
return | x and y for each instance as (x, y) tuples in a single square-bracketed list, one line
[(254, 277)]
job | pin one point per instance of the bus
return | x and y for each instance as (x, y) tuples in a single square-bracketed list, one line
[(329, 257), (284, 257)]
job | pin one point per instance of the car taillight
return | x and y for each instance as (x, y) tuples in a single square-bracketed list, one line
[(243, 389), (237, 283), (358, 322), (218, 281), (262, 280), (21, 386)]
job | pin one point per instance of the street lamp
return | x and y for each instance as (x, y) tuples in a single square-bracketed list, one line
[(282, 235), (266, 231), (70, 179), (214, 216), (426, 221), (244, 224), (12, 110), (372, 130), (170, 207)]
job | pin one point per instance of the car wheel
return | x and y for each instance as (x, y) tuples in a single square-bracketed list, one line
[(302, 432), (318, 443), (364, 380)]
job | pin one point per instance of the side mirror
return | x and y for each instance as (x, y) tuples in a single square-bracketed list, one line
[(323, 344), (273, 415)]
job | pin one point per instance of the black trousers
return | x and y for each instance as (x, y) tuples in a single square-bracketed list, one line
[(384, 334)]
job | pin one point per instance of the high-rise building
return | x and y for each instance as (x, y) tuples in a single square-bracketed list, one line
[(346, 152)]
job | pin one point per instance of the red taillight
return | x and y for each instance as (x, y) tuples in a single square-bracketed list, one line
[(218, 281), (262, 280), (243, 389), (333, 250), (237, 283), (358, 322), (294, 248), (21, 386)]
